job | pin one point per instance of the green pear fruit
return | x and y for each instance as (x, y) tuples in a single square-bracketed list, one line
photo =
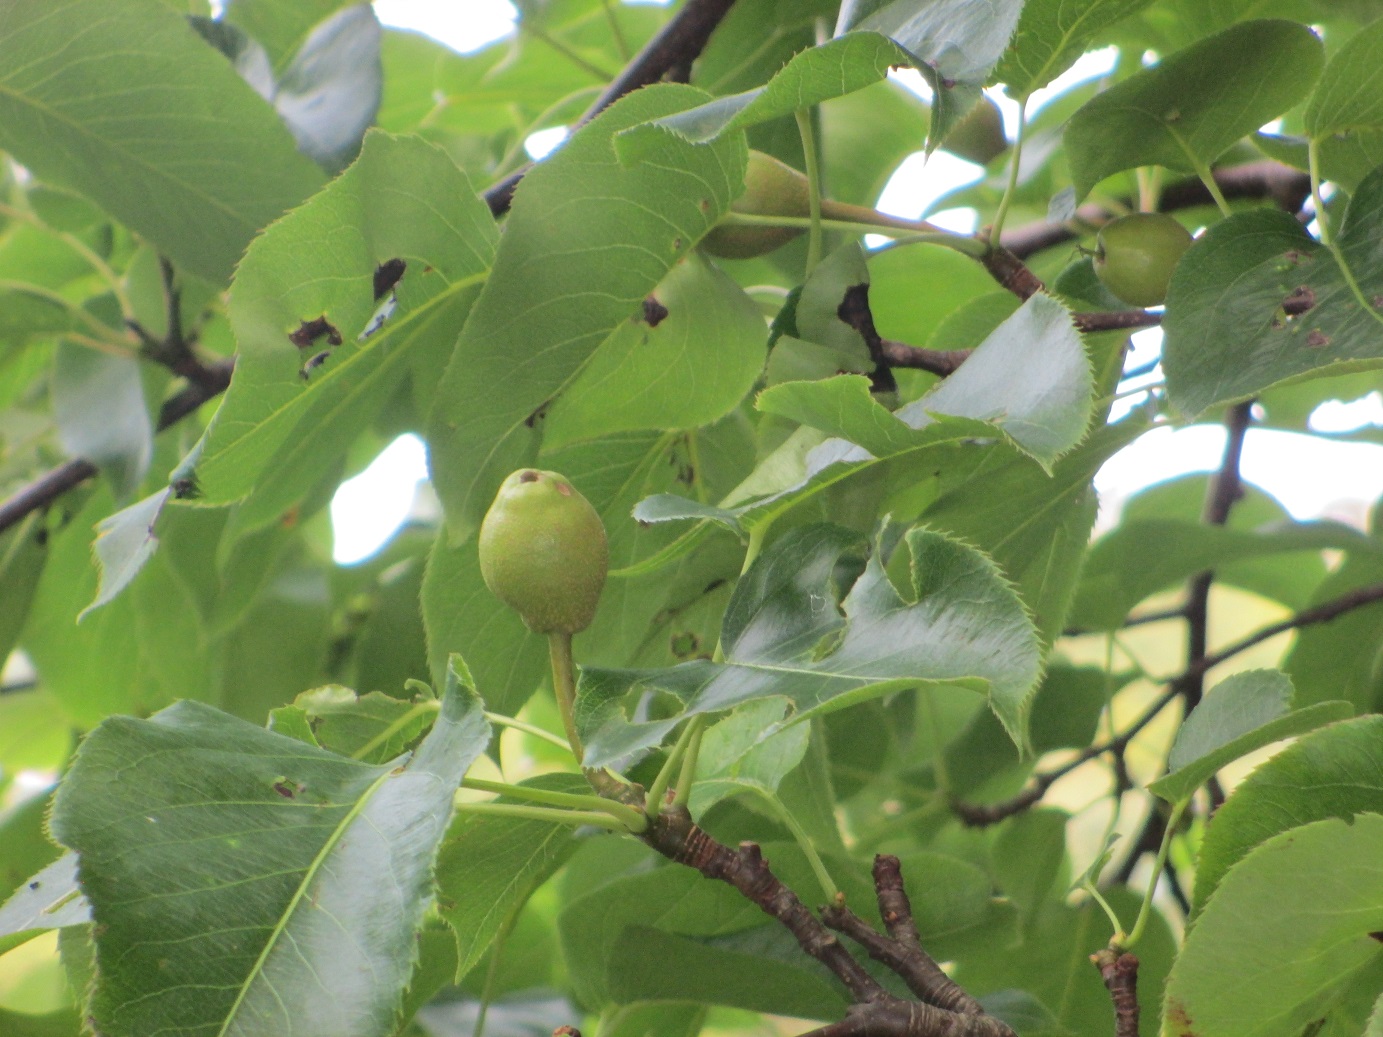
[(1135, 256), (979, 137), (543, 552), (771, 188)]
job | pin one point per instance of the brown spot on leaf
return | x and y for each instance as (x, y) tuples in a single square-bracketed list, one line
[(654, 312), (1179, 1020), (1299, 300), (1377, 936), (309, 331), (313, 362), (1317, 339)]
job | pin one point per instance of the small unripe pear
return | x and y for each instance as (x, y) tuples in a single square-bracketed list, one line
[(1135, 256), (543, 552), (979, 137), (771, 188)]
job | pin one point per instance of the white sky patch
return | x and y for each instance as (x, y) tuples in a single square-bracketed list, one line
[(368, 509), (1339, 416), (464, 27), (543, 143)]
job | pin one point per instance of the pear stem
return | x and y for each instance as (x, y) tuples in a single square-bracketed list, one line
[(808, 134), (564, 685)]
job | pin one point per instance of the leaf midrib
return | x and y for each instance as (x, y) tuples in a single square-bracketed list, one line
[(257, 969)]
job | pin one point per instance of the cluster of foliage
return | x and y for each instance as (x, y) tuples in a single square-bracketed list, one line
[(855, 613)]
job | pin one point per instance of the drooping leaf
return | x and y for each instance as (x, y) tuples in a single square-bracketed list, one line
[(1240, 714), (374, 727), (191, 157), (1227, 333), (1185, 111), (295, 404), (1259, 962), (834, 69), (959, 624), (324, 863), (586, 240), (686, 361), (124, 542), (1332, 772), (1052, 34), (98, 403), (329, 93)]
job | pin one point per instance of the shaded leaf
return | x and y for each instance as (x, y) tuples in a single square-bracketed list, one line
[(1258, 962), (1332, 772), (1227, 335), (22, 557), (124, 542), (962, 40), (1185, 111), (373, 728), (191, 158), (1349, 95), (1140, 557), (1339, 659), (960, 624), (1240, 714), (98, 403), (328, 885), (585, 241)]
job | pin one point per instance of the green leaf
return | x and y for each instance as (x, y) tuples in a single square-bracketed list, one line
[(996, 391), (962, 40), (283, 426), (195, 161), (1029, 853), (1339, 659), (1138, 558), (735, 758), (330, 92), (62, 1023), (686, 367), (1344, 159), (1227, 336), (1240, 714), (1052, 34), (47, 901), (1349, 96), (373, 728), (585, 241), (98, 403), (1332, 772), (125, 541), (281, 28), (1188, 109), (833, 69), (959, 625), (1259, 962), (22, 557), (489, 866), (192, 818)]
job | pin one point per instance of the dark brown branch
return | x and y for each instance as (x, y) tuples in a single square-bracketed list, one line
[(1116, 320), (673, 49), (48, 487), (938, 361), (1012, 274), (854, 311), (1120, 975), (1288, 187), (676, 837), (1145, 618), (902, 949)]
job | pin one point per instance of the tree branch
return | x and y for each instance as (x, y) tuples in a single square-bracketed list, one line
[(675, 47), (1288, 187), (854, 311), (1120, 975), (943, 1008), (48, 487)]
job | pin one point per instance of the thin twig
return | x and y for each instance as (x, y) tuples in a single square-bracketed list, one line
[(854, 311)]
